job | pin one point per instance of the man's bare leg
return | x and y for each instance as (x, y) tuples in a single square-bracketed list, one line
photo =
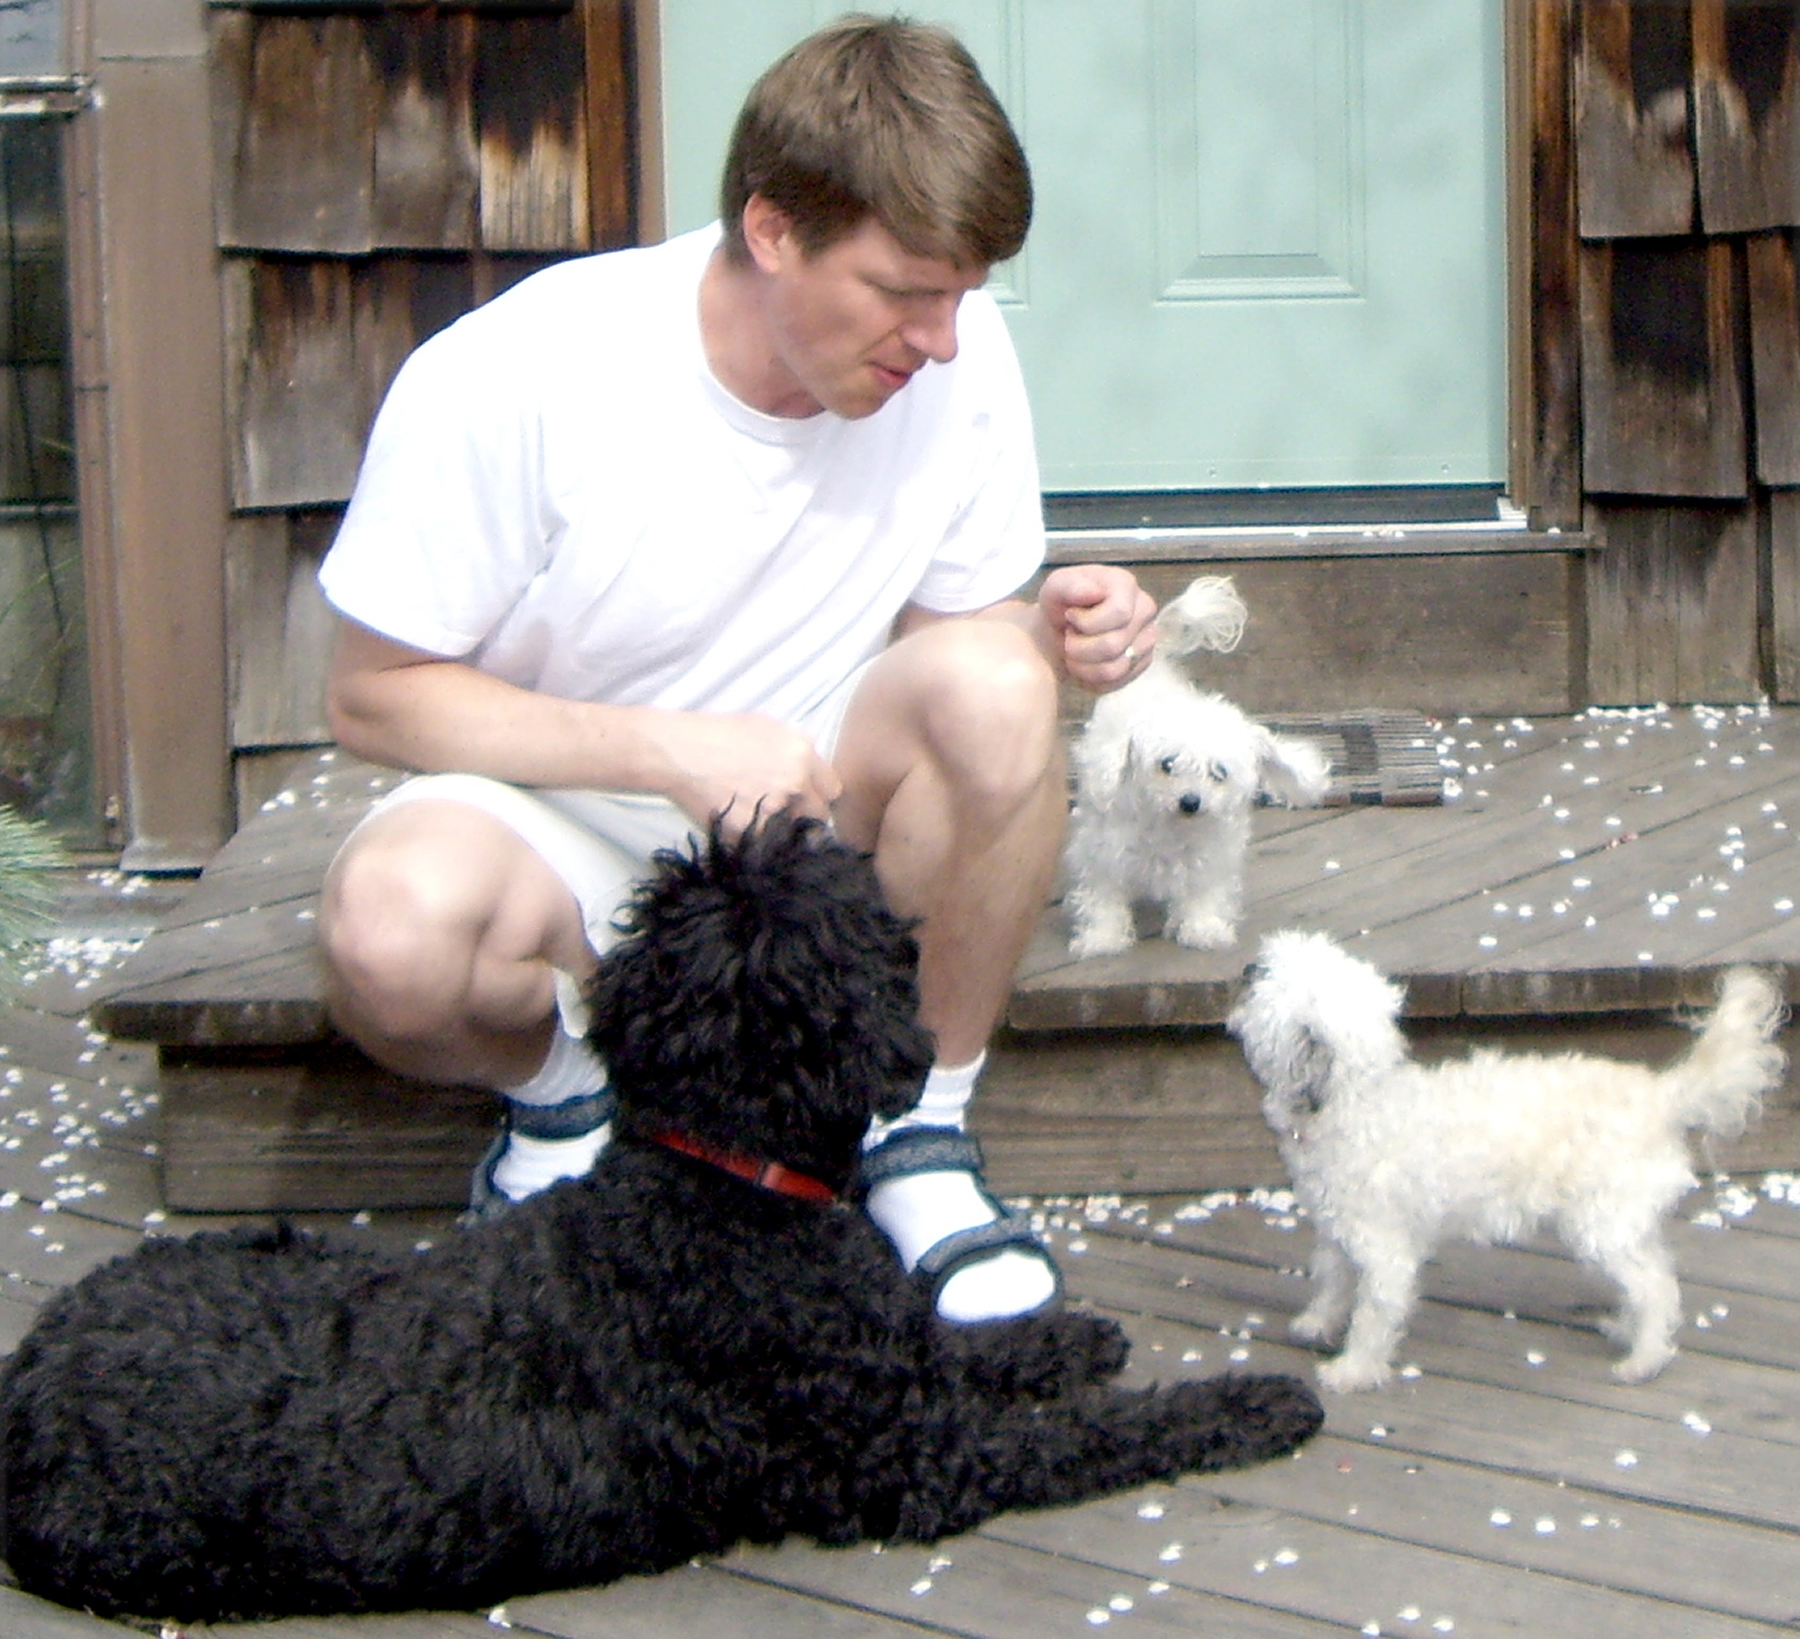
[(443, 934), (953, 775)]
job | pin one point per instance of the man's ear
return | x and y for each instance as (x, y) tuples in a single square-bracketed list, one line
[(768, 232)]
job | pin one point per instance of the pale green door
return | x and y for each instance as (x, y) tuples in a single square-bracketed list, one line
[(1268, 247)]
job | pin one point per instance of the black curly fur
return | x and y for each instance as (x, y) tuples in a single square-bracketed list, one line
[(656, 1361)]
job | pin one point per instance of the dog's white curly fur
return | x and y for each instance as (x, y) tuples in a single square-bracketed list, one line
[(1166, 776), (1391, 1157)]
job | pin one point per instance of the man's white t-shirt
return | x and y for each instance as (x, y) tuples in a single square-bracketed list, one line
[(559, 491)]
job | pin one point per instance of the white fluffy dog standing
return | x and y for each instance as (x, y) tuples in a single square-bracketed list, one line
[(1166, 776), (1391, 1157)]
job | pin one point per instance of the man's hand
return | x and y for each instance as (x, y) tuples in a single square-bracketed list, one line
[(738, 764), (1101, 620)]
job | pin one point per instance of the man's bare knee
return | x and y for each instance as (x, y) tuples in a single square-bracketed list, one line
[(397, 955), (438, 917), (991, 720)]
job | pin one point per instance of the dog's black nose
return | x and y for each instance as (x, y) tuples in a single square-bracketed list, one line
[(1254, 971), (1190, 803)]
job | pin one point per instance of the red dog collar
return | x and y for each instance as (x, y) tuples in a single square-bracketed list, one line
[(770, 1175)]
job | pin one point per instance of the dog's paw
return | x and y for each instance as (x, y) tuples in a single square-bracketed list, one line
[(1642, 1364), (1346, 1375), (1227, 1422), (1101, 940), (1314, 1327), (1202, 931), (1108, 1351)]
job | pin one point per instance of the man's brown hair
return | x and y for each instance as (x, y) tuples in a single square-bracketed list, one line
[(887, 118)]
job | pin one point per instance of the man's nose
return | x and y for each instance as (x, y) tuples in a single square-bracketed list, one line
[(933, 331)]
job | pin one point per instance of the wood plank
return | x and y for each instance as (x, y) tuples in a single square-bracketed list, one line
[(1544, 295), (1536, 1524), (1661, 391), (1630, 860), (162, 377), (280, 628), (530, 111), (1632, 69), (1333, 633), (26, 1617), (411, 1625), (1775, 355), (426, 168), (294, 101), (294, 381), (1336, 1573), (611, 125), (985, 1585), (1672, 604), (1260, 1271), (1531, 1361), (325, 1132), (1784, 590), (44, 1249), (1747, 115), (696, 1599)]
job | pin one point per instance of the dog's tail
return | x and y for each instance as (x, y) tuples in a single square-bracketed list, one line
[(1719, 1084), (1208, 615)]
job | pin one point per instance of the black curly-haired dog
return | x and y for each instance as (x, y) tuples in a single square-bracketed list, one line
[(693, 1346)]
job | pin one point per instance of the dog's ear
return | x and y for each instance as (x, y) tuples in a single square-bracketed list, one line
[(1103, 759), (1312, 1066), (1295, 773)]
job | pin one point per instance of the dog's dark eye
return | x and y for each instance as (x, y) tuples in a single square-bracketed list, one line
[(1218, 773), (1166, 764)]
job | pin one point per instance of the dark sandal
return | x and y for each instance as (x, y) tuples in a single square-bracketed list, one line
[(914, 1150), (569, 1119)]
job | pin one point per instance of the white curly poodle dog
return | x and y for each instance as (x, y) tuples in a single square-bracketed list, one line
[(1391, 1157), (1166, 776)]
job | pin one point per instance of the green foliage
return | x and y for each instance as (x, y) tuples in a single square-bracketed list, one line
[(29, 854)]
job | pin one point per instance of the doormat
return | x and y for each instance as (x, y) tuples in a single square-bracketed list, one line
[(1380, 757)]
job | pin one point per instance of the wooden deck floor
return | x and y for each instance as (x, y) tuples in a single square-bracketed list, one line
[(1505, 1485)]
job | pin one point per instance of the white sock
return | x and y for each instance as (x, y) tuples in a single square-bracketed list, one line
[(917, 1212), (571, 1069), (529, 1164)]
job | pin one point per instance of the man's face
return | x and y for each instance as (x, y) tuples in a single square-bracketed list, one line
[(850, 325)]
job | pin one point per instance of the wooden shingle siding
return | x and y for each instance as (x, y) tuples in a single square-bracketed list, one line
[(349, 132), (530, 97), (1775, 355), (295, 401), (1635, 164), (1747, 114), (294, 121), (1546, 298), (383, 169), (401, 6), (280, 628), (427, 159), (1662, 396), (1672, 603), (1687, 144), (1784, 591)]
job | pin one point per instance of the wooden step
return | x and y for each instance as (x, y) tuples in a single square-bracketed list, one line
[(1586, 877)]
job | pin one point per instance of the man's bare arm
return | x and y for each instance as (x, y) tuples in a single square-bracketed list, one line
[(411, 709)]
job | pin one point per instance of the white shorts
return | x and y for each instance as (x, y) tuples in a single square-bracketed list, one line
[(598, 842)]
